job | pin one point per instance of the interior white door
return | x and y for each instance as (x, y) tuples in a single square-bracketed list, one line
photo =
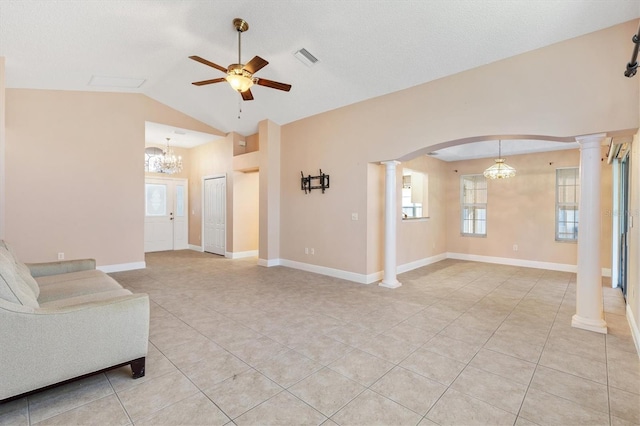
[(166, 221), (215, 194)]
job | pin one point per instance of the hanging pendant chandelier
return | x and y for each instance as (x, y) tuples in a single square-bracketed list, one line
[(500, 170), (170, 163)]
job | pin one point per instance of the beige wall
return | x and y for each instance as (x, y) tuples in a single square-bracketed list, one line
[(521, 210), (213, 158), (245, 211), (421, 239), (74, 172), (537, 93)]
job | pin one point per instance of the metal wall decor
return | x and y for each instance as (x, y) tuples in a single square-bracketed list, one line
[(306, 182)]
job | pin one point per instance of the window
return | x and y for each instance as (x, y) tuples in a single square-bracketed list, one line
[(567, 198), (473, 205), (152, 157), (415, 190)]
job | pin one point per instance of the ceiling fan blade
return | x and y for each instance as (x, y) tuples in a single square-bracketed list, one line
[(203, 82), (209, 63), (273, 84), (256, 64), (247, 95)]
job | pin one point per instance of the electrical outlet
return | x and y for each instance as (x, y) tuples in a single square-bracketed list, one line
[(306, 250), (60, 256), (515, 247), (313, 251), (354, 216)]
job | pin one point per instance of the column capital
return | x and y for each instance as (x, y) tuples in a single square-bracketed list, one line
[(590, 139), (390, 163)]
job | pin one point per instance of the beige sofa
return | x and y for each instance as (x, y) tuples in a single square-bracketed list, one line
[(64, 320)]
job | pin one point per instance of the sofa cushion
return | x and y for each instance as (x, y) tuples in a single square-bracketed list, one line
[(88, 274), (12, 286), (63, 286), (86, 298), (22, 270)]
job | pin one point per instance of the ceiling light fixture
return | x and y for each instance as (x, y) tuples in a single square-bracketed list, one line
[(500, 170), (170, 163), (239, 78)]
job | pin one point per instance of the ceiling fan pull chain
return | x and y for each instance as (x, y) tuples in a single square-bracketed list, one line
[(239, 108)]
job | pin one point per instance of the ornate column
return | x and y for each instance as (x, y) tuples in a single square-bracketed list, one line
[(589, 312), (390, 226)]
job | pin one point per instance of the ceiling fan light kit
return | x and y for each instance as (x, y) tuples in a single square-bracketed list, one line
[(240, 76)]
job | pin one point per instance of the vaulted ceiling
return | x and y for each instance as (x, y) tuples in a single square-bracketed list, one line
[(365, 48)]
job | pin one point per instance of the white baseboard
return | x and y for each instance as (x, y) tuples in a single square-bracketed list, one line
[(635, 332), (195, 248), (269, 263), (122, 267), (323, 270), (356, 277), (406, 267), (242, 254), (563, 267)]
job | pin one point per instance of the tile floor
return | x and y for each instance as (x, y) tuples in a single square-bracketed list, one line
[(460, 343)]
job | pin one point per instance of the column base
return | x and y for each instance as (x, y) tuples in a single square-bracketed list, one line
[(599, 326), (390, 284)]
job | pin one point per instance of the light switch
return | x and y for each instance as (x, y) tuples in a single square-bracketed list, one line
[(354, 216)]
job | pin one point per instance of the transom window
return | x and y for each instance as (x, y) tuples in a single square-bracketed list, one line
[(152, 157), (473, 205), (567, 199)]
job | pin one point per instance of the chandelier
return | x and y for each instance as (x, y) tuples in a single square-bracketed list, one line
[(169, 162), (500, 170)]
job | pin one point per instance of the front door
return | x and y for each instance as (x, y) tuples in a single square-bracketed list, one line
[(166, 222)]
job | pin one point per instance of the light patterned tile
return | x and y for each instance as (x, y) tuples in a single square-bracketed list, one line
[(585, 392), (546, 409), (14, 413), (575, 364), (326, 391), (503, 365), (195, 410), (433, 366), (147, 398), (104, 411), (282, 409), (491, 388), (452, 348), (241, 393), (323, 349), (625, 405), (370, 408), (361, 366), (288, 368), (455, 408), (409, 389), (212, 370), (59, 399)]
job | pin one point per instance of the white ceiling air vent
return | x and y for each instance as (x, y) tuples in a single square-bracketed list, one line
[(618, 148), (305, 57)]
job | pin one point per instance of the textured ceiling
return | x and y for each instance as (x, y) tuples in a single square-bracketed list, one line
[(366, 48)]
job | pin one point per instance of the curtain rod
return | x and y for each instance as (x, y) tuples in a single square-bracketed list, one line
[(632, 66)]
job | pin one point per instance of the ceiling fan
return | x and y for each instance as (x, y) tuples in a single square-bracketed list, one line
[(240, 76)]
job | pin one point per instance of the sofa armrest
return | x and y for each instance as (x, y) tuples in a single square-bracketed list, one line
[(60, 267), (51, 345)]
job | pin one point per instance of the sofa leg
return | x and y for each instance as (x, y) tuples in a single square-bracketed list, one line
[(137, 368)]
